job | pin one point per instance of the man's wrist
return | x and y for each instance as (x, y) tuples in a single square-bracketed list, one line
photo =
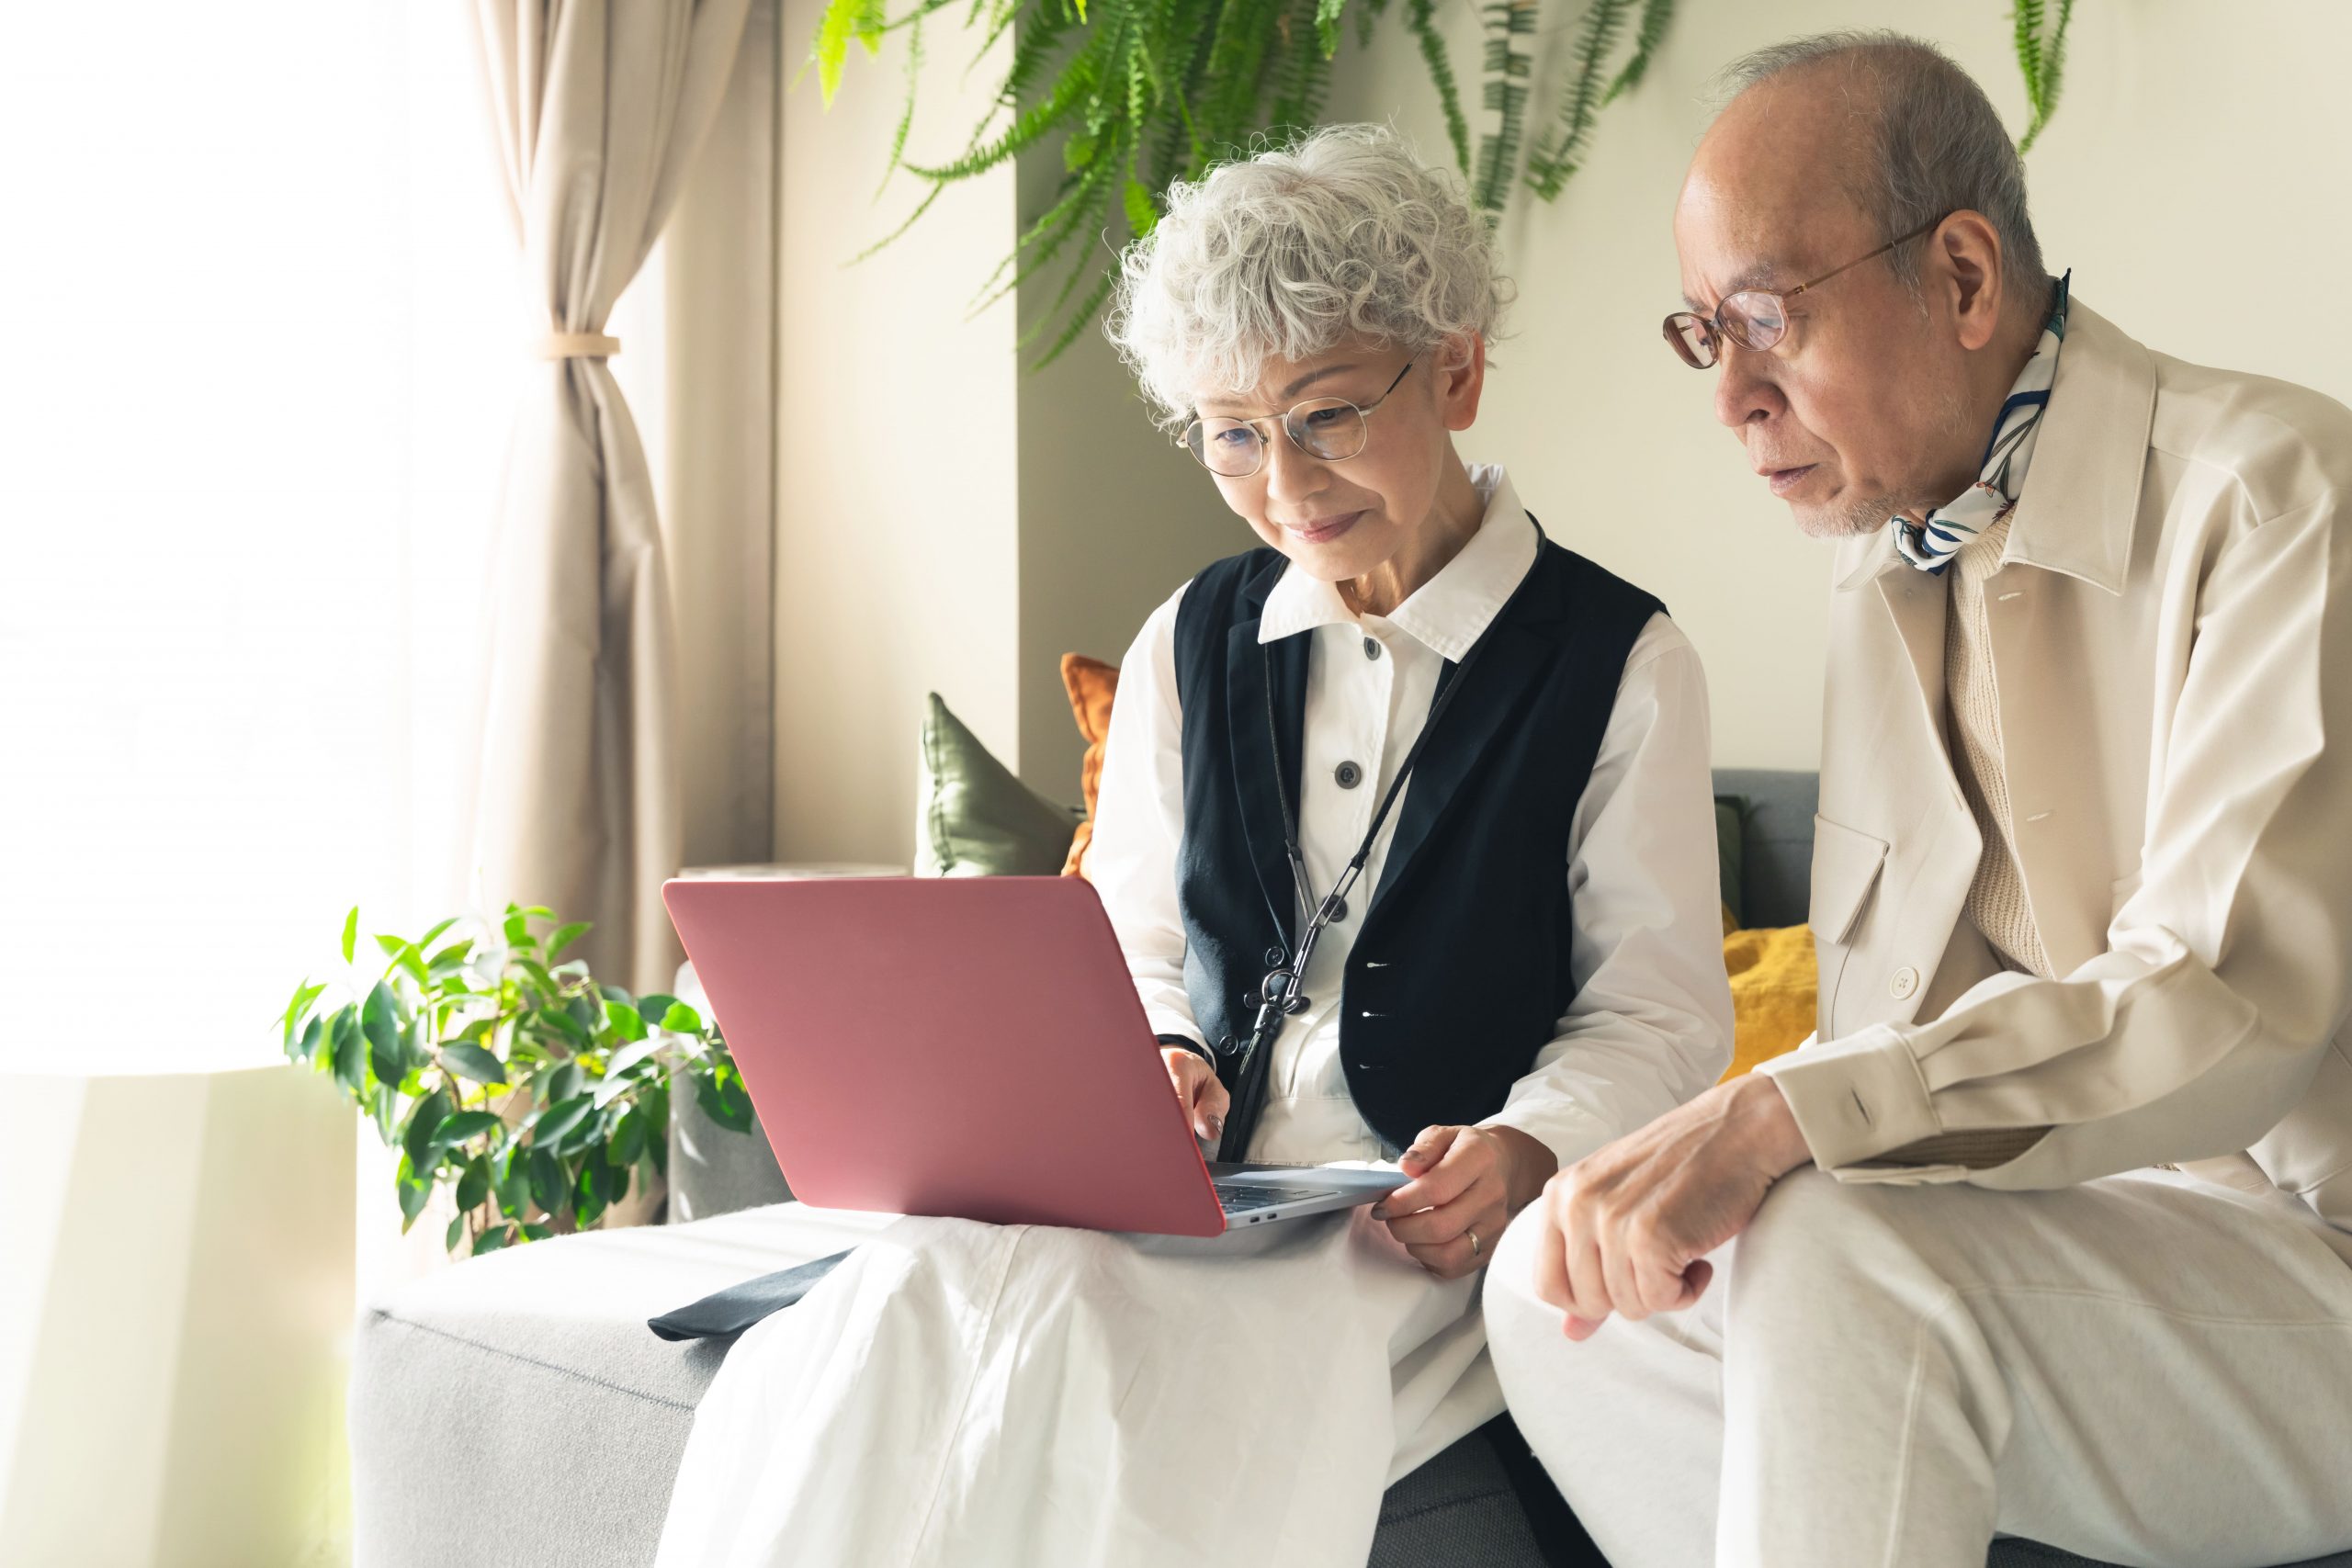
[(1780, 1141)]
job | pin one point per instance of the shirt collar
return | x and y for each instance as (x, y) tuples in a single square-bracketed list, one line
[(1449, 612)]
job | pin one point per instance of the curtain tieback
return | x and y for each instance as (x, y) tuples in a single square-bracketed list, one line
[(577, 346)]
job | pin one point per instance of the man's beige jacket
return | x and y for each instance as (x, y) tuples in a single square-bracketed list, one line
[(2172, 637)]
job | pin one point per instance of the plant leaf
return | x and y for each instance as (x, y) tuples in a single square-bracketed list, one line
[(382, 1025), (414, 1191), (467, 1060), (417, 1136), (564, 937), (464, 1126), (721, 1094), (351, 933), (493, 1239), (564, 1083), (625, 1022), (551, 1127), (350, 1049), (681, 1019), (474, 1185)]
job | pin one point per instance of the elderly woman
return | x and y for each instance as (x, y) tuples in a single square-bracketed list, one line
[(1405, 831)]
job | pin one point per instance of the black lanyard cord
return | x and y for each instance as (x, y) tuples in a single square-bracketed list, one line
[(1279, 996)]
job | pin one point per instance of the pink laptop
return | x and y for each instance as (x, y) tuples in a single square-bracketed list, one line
[(970, 1046)]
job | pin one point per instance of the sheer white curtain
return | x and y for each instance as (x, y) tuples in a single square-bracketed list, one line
[(255, 386)]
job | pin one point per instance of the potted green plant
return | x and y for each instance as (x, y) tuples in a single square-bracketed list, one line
[(507, 1074)]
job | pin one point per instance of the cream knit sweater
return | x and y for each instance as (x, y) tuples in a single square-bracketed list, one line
[(1997, 901)]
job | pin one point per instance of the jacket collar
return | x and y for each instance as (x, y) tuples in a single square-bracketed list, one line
[(2082, 500), (1447, 613)]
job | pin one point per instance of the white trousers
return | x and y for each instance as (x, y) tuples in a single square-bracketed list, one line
[(965, 1395), (2145, 1370)]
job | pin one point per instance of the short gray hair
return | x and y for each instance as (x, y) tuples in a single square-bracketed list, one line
[(1343, 234), (1940, 147)]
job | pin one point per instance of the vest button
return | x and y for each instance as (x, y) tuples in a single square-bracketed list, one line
[(1348, 775), (1372, 647), (1905, 981)]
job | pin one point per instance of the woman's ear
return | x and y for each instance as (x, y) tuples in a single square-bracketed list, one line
[(1460, 377)]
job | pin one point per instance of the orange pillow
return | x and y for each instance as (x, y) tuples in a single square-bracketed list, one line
[(1091, 684)]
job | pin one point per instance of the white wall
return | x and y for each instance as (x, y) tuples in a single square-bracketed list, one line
[(2194, 178), (896, 561)]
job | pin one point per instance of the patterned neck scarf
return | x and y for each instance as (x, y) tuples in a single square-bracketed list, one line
[(1930, 545)]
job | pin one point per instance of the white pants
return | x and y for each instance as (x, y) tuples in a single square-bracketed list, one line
[(965, 1395), (2146, 1370)]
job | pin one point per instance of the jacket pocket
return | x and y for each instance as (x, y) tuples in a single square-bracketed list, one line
[(1845, 867)]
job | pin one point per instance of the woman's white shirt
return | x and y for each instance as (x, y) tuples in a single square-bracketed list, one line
[(1650, 1025)]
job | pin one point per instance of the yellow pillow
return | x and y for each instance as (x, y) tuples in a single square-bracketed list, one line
[(1773, 993)]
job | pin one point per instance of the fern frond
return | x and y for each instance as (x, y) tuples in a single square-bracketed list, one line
[(2041, 87), (1420, 19), (1657, 17), (906, 113), (1080, 317), (1509, 71), (1561, 152)]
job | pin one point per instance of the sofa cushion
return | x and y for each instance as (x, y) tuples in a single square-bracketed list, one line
[(974, 816)]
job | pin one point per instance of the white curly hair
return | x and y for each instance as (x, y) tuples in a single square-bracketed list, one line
[(1344, 233)]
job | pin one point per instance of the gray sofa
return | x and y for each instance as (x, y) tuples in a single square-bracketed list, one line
[(515, 1411)]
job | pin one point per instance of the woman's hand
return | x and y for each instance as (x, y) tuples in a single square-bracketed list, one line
[(1468, 1182), (1197, 1089)]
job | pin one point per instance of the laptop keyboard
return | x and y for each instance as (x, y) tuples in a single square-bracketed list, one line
[(1239, 1199)]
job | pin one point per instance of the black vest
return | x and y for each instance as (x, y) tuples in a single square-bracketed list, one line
[(1460, 969)]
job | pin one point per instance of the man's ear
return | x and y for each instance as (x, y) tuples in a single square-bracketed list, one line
[(1460, 379), (1964, 261)]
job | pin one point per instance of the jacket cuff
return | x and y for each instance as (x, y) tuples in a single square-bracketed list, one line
[(1857, 1097)]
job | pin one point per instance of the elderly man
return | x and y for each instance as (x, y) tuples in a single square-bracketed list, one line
[(2050, 1232)]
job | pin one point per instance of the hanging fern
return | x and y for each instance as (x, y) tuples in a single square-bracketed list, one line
[(1509, 78), (2041, 59), (1135, 94), (1561, 152), (1657, 17)]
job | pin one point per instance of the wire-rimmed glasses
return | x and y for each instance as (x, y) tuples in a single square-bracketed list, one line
[(1756, 317), (1331, 429)]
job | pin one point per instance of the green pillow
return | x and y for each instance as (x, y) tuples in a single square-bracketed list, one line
[(1730, 811), (975, 819)]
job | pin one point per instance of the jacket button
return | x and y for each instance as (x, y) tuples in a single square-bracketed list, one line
[(1348, 775), (1273, 956), (1906, 980)]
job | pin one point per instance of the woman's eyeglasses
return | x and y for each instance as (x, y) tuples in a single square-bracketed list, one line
[(1331, 429), (1754, 318)]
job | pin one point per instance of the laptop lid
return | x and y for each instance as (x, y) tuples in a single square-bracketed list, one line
[(970, 1046)]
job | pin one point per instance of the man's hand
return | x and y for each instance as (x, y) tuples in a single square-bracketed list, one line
[(1467, 1181), (1197, 1089), (1627, 1229)]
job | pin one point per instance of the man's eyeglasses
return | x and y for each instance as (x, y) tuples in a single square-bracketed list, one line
[(1330, 428), (1756, 317)]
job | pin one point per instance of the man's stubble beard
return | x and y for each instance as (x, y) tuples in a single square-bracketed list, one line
[(1873, 513)]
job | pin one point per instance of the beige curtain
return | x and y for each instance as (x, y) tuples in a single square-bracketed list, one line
[(599, 106)]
